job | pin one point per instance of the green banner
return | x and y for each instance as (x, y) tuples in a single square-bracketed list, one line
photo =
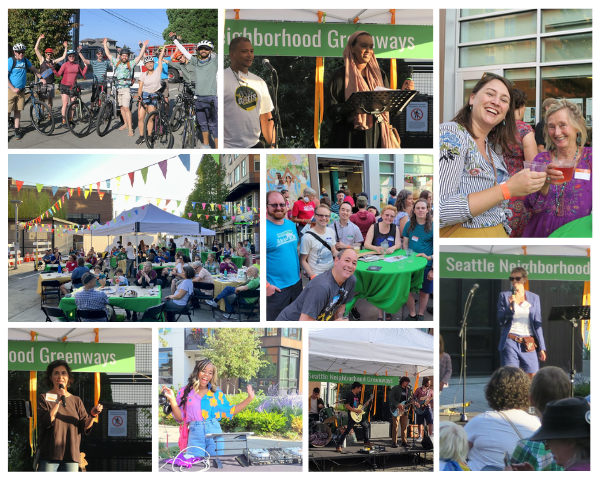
[(329, 39), (495, 266), (81, 357), (333, 377)]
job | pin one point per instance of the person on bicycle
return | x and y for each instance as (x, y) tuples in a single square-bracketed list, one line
[(47, 66), (206, 65), (164, 80), (100, 67), (123, 73), (17, 81), (183, 66), (69, 71), (149, 82)]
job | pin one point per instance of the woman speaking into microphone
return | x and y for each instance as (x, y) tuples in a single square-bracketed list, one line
[(62, 419), (520, 315)]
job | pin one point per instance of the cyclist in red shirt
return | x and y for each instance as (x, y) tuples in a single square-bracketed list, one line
[(69, 72)]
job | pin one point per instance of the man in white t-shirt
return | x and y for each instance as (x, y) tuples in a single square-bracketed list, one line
[(315, 257), (130, 260), (315, 405), (247, 101)]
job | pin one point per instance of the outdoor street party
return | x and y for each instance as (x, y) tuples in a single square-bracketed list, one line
[(167, 238)]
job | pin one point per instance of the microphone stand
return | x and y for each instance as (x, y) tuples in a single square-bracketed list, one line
[(463, 352), (274, 88)]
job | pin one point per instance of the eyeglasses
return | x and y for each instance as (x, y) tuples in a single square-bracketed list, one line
[(20, 51), (322, 216), (499, 77), (275, 205), (512, 279)]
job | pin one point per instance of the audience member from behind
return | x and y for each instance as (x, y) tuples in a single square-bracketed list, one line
[(90, 299), (445, 366), (454, 447), (75, 276), (363, 219), (495, 432)]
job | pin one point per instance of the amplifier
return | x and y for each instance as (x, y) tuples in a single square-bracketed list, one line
[(269, 456), (379, 430), (258, 456)]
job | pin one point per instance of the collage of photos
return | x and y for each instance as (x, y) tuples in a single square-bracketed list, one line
[(331, 121)]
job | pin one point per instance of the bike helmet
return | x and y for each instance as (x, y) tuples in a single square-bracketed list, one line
[(125, 50), (148, 58), (205, 43), (177, 55), (48, 50), (71, 52), (19, 47)]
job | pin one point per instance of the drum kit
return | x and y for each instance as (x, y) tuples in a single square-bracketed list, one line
[(330, 426)]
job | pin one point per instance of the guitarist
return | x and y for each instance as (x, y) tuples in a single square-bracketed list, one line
[(352, 402), (399, 394), (423, 400)]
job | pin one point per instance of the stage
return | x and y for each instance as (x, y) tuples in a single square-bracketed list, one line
[(327, 459)]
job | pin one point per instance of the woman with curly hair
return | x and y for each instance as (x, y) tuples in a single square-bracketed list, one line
[(202, 406), (418, 236), (404, 205), (494, 432)]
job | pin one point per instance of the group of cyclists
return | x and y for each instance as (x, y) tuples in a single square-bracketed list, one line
[(199, 73)]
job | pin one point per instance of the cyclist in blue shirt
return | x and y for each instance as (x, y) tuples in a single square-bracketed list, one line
[(100, 67), (17, 81)]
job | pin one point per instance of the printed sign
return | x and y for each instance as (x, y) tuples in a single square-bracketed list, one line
[(416, 117), (117, 423), (334, 377)]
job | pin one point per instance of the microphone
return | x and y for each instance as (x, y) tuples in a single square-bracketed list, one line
[(268, 65), (62, 397), (514, 295), (475, 287)]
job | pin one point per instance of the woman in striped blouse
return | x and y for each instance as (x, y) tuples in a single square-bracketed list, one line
[(474, 182)]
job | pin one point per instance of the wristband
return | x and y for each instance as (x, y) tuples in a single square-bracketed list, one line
[(312, 277), (93, 415), (505, 191), (268, 284)]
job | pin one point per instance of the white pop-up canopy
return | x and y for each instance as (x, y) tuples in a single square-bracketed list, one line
[(148, 219), (375, 351), (85, 335), (337, 15)]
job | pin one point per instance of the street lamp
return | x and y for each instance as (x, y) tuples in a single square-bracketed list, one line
[(16, 203)]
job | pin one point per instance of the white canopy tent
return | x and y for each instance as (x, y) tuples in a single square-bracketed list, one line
[(375, 351), (85, 335), (337, 15)]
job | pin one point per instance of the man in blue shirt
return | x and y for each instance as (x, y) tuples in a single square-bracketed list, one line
[(76, 276), (48, 258), (284, 284), (17, 81), (90, 299), (99, 66)]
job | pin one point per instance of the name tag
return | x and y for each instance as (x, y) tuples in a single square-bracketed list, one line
[(582, 174), (391, 239), (415, 239), (526, 304), (51, 397)]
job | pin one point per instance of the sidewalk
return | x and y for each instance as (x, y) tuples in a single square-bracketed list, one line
[(474, 394)]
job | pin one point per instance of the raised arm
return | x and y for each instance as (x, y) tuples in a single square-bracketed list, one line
[(160, 57), (64, 55), (37, 49), (106, 50), (85, 61), (141, 55), (240, 406), (179, 46)]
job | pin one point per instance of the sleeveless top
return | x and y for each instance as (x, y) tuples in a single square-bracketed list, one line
[(46, 65), (379, 237)]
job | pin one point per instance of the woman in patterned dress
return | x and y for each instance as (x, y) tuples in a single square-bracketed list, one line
[(524, 150)]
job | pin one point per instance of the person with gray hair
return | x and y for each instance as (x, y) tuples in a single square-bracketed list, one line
[(303, 209), (202, 276), (228, 295)]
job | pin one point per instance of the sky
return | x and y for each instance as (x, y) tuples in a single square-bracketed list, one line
[(99, 24), (66, 170)]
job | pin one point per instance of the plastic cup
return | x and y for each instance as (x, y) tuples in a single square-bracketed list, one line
[(535, 167), (567, 167), (357, 247), (151, 285), (411, 255)]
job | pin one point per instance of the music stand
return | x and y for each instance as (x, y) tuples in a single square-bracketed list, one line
[(377, 102), (19, 408), (572, 314)]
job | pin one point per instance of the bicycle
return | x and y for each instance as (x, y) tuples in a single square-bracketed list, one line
[(79, 115), (96, 105), (178, 113), (40, 113), (108, 110), (159, 134)]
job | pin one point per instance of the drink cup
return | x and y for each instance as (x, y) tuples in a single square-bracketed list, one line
[(567, 167), (357, 247), (535, 166)]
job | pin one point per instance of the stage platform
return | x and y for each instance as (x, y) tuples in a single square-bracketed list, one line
[(405, 458), (231, 465)]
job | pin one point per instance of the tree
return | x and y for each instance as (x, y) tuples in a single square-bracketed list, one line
[(193, 25), (26, 25), (210, 188), (34, 204), (236, 352)]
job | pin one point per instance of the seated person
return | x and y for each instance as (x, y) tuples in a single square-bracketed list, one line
[(146, 276), (48, 258), (228, 265), (165, 254), (151, 255), (57, 257), (169, 274), (72, 263), (75, 277), (90, 299), (202, 276), (228, 293), (211, 265), (91, 258), (178, 301), (325, 296), (120, 278), (160, 257), (100, 277), (106, 262)]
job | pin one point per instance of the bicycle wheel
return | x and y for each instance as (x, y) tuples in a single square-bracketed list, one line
[(160, 136), (189, 134), (104, 118), (177, 117), (42, 118), (79, 118)]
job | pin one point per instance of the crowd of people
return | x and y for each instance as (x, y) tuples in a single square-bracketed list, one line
[(499, 178), (320, 240), (199, 70)]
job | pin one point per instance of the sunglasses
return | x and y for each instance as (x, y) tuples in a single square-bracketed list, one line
[(322, 216), (512, 279), (20, 51), (275, 205), (499, 77)]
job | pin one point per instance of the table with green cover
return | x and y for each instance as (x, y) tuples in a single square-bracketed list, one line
[(113, 262), (389, 287), (238, 261), (158, 266), (204, 256), (185, 251), (50, 267), (580, 228), (138, 304)]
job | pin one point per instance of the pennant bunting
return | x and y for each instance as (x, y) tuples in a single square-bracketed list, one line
[(85, 193), (126, 198), (107, 184), (131, 177), (129, 214), (39, 187), (212, 206), (203, 206), (157, 201), (189, 215), (135, 211), (163, 168), (185, 159), (178, 203), (101, 194), (206, 217), (54, 190), (122, 218), (79, 191), (19, 184), (144, 174), (167, 202), (137, 199), (194, 204), (219, 207)]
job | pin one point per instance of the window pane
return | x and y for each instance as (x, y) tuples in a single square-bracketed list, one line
[(522, 51), (423, 159), (385, 157), (568, 19), (418, 183), (386, 167), (165, 366), (524, 79), (418, 168), (386, 183), (468, 12), (573, 82), (498, 27), (568, 47)]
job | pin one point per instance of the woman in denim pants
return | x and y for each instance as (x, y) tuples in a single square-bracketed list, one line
[(203, 405)]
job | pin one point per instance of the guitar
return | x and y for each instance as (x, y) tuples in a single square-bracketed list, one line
[(357, 417), (396, 411), (82, 461), (420, 407)]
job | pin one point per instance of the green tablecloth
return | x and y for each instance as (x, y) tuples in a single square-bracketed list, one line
[(204, 256), (580, 228), (50, 268), (238, 261), (158, 266), (388, 288), (185, 251), (113, 262), (139, 304)]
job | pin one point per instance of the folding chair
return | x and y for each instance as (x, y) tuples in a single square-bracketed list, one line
[(247, 306), (91, 315), (153, 314), (54, 312), (50, 288), (199, 295), (188, 310)]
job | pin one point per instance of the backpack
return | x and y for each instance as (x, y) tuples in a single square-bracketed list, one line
[(12, 67)]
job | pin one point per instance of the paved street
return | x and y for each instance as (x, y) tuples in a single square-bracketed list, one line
[(63, 138)]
